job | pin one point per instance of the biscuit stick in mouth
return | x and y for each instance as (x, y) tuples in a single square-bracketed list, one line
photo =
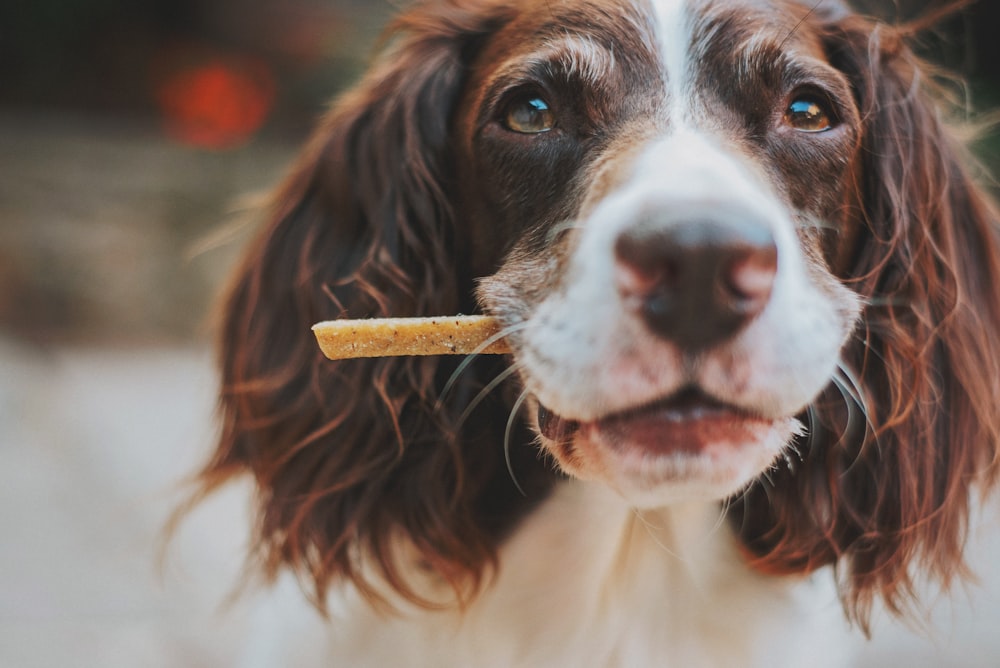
[(392, 337)]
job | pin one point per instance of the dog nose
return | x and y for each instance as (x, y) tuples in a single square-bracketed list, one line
[(696, 282)]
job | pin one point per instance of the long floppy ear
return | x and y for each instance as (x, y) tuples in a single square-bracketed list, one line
[(883, 488), (351, 456)]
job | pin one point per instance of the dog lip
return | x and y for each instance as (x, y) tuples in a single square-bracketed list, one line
[(689, 422), (680, 411), (686, 405)]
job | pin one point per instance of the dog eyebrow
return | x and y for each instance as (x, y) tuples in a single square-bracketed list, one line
[(571, 55)]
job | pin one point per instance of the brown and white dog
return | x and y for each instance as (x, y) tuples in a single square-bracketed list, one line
[(753, 297)]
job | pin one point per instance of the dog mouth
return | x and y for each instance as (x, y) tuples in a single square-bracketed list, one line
[(688, 421)]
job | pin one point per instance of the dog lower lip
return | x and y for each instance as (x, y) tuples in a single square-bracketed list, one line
[(689, 422), (687, 405), (684, 407)]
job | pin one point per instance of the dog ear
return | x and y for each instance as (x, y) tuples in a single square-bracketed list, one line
[(883, 488), (350, 456)]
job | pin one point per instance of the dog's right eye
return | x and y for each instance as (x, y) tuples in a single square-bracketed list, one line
[(530, 115), (808, 113)]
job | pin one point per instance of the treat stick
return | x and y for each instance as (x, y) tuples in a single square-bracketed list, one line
[(390, 337)]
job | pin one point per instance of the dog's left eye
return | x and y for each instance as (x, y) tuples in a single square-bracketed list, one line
[(530, 116), (808, 114)]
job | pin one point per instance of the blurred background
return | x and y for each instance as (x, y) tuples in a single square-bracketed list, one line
[(136, 141)]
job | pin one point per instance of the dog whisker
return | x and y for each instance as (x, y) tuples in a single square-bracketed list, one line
[(483, 393), (855, 401), (511, 419), (471, 357)]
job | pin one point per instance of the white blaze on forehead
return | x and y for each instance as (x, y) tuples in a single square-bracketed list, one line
[(671, 19)]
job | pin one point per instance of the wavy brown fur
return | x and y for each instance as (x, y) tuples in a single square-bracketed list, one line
[(886, 495), (350, 456)]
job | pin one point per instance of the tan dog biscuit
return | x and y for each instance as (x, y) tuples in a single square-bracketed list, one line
[(390, 337)]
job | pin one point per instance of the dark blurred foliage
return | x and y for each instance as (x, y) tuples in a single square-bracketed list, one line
[(113, 56), (135, 138)]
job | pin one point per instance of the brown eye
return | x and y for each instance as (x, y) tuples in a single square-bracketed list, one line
[(530, 116), (806, 114)]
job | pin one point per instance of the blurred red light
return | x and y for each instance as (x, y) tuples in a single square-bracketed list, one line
[(217, 103)]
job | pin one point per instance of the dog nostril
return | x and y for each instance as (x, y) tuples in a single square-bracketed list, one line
[(696, 282), (633, 280), (750, 274)]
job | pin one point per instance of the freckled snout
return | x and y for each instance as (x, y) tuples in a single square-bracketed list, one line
[(697, 280)]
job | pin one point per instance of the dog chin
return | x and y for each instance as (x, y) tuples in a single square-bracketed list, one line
[(652, 465)]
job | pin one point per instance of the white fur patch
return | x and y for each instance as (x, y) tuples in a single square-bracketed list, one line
[(672, 21), (587, 581)]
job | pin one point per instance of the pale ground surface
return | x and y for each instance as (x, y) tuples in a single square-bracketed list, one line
[(93, 441)]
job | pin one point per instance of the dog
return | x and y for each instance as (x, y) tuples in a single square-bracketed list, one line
[(751, 288)]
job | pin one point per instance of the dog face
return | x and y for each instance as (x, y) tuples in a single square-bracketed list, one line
[(673, 196)]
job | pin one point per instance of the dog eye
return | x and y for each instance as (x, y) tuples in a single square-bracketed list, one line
[(530, 116), (808, 114)]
